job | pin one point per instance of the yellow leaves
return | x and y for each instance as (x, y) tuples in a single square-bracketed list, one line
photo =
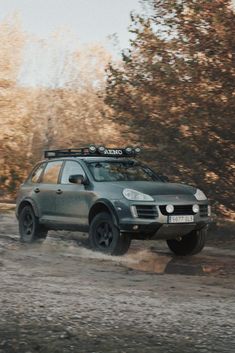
[(220, 30), (175, 109), (185, 130), (201, 57), (211, 177), (188, 13), (223, 98), (12, 40), (226, 212)]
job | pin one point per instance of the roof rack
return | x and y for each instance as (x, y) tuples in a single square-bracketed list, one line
[(93, 151)]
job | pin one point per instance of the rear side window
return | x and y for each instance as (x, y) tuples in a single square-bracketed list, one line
[(37, 173), (51, 173)]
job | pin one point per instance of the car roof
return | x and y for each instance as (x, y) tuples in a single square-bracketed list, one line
[(92, 159)]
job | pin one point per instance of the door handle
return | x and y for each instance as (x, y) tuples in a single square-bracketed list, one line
[(37, 190), (59, 191)]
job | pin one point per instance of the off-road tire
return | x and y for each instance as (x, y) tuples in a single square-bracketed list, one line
[(190, 244), (29, 228), (105, 237)]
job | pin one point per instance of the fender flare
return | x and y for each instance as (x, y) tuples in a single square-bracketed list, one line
[(108, 205), (31, 202)]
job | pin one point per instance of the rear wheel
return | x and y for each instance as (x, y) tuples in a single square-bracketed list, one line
[(30, 229), (104, 236), (190, 244)]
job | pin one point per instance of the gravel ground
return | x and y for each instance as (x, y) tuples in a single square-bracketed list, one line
[(61, 297)]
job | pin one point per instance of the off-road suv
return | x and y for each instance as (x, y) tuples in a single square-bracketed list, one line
[(115, 198)]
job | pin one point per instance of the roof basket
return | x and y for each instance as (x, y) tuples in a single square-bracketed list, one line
[(93, 151), (70, 152)]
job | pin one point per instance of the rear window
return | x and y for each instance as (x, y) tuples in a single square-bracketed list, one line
[(37, 173), (51, 173)]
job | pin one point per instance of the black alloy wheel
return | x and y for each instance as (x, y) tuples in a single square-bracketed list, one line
[(29, 227), (28, 224), (105, 237)]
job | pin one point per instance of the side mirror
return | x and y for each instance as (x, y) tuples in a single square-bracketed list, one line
[(78, 179)]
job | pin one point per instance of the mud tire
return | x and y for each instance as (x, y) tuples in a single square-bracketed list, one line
[(105, 237), (29, 228), (190, 244)]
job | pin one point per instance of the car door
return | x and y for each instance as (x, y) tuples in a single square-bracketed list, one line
[(73, 203), (46, 191)]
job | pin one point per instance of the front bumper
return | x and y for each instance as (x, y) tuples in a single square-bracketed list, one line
[(155, 230), (159, 227)]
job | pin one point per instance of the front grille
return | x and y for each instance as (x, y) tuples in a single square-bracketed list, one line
[(203, 210), (180, 210), (146, 211)]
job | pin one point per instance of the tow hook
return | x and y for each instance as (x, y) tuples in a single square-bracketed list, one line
[(179, 238)]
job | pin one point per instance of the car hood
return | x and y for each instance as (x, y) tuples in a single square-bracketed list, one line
[(152, 188)]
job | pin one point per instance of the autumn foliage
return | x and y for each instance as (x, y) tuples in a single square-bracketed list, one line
[(175, 87), (67, 111)]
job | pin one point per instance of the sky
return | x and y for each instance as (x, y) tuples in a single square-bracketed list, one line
[(90, 20), (81, 21)]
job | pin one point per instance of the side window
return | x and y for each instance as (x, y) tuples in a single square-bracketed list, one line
[(51, 173), (71, 168), (37, 173)]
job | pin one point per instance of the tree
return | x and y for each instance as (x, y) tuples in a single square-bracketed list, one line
[(14, 120), (12, 40), (175, 87), (64, 110), (71, 114)]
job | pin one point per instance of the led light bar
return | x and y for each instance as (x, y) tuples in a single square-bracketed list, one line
[(93, 151)]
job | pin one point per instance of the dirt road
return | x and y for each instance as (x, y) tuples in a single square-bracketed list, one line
[(61, 297)]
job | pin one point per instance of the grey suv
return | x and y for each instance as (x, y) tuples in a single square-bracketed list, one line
[(115, 198)]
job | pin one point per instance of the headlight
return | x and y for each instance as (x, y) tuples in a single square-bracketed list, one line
[(134, 195), (200, 196)]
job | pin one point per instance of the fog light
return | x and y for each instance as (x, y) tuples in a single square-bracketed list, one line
[(170, 208), (135, 227), (195, 208), (137, 150)]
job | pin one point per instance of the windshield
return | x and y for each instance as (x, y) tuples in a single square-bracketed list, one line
[(121, 171)]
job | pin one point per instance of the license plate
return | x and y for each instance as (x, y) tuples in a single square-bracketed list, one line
[(181, 219)]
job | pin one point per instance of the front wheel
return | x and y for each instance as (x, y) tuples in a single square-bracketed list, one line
[(104, 236), (30, 229), (190, 244)]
